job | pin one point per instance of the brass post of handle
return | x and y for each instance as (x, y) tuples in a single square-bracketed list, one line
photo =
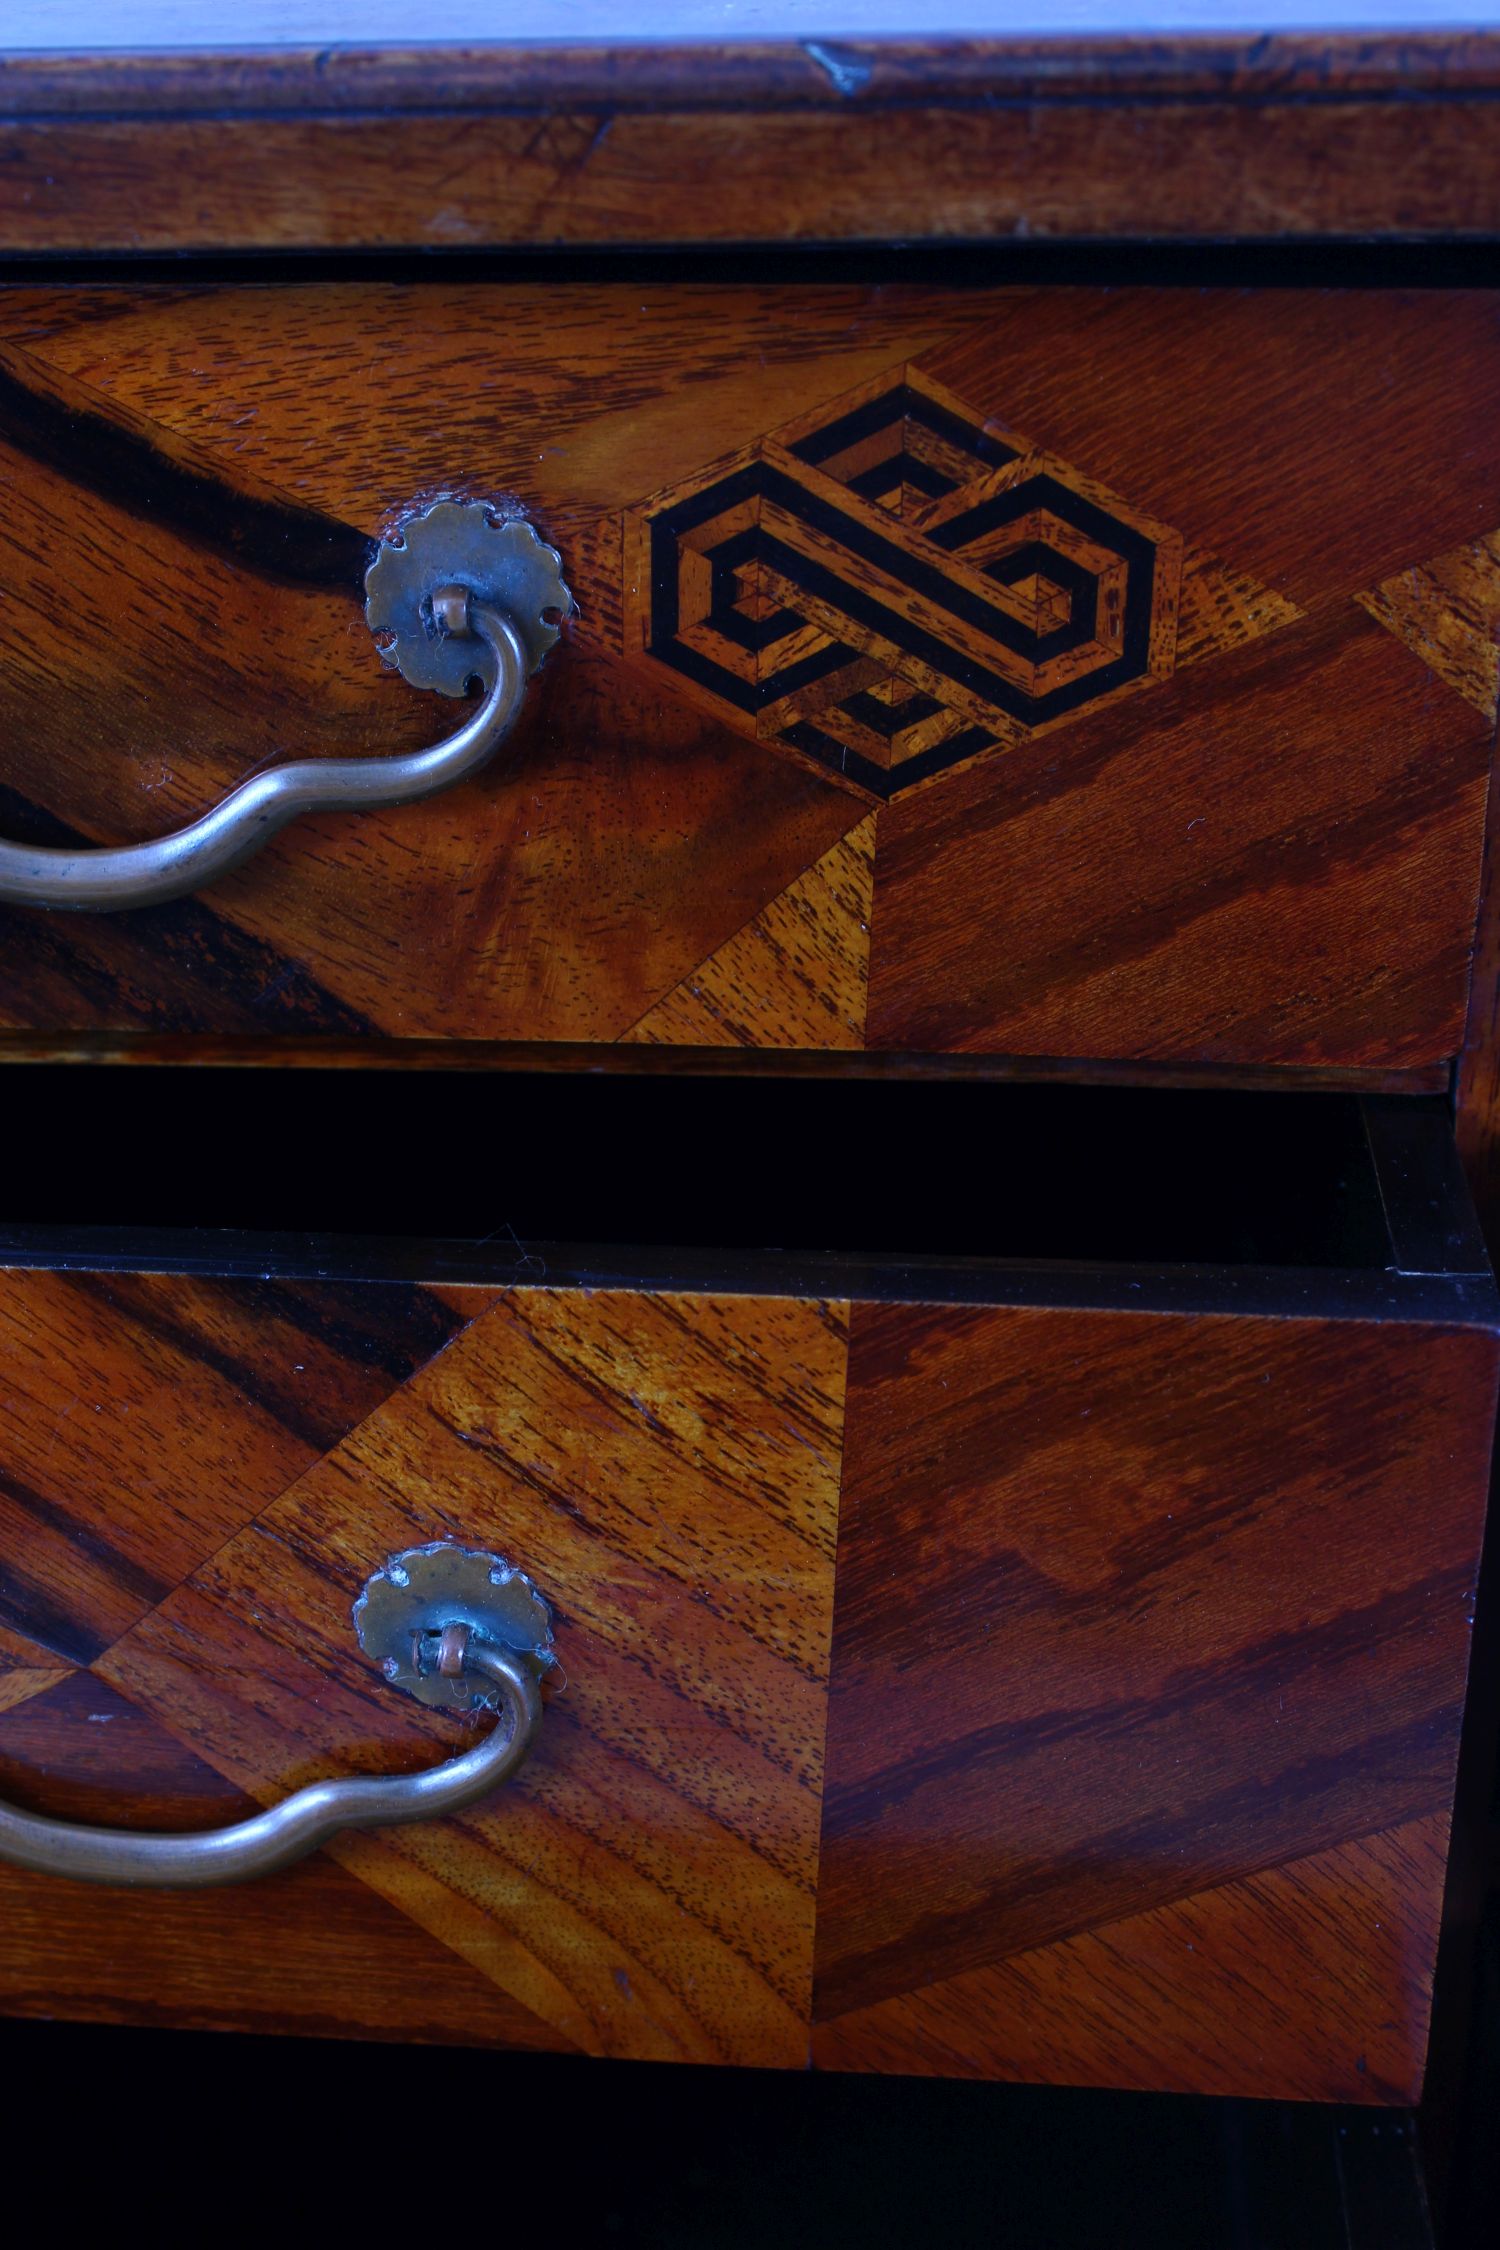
[(497, 1638), (454, 595)]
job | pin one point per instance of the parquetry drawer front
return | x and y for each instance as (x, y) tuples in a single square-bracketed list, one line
[(645, 1887), (1047, 1670), (1148, 1649), (1042, 672)]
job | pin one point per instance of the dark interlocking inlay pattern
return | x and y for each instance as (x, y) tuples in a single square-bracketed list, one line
[(893, 585)]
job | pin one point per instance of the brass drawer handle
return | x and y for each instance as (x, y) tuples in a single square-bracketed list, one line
[(497, 1639), (451, 579)]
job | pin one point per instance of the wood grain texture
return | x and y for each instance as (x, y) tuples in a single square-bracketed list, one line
[(601, 393), (617, 844), (892, 585), (1446, 612), (1209, 409), (1141, 1686), (314, 1953), (1221, 608), (862, 141), (17, 1688), (190, 1405), (1214, 1994), (812, 941), (1072, 578), (1303, 912), (1131, 1610), (667, 1470), (17, 1652), (1311, 61)]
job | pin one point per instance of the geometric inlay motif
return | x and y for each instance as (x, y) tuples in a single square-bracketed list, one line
[(892, 585)]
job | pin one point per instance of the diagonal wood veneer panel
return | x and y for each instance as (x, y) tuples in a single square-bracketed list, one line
[(800, 970), (667, 1471), (1344, 1941), (1314, 484), (149, 1417), (1131, 1608), (17, 1688), (1312, 904), (312, 1951), (619, 840), (1446, 612), (629, 377), (27, 1655)]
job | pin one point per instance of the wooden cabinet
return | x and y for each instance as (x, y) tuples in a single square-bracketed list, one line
[(892, 1150)]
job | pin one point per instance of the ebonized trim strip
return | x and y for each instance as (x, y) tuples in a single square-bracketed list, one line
[(1293, 1293)]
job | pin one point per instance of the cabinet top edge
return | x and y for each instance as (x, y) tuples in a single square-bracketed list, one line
[(184, 76), (716, 144)]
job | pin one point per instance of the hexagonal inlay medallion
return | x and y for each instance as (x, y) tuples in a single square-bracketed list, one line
[(892, 586)]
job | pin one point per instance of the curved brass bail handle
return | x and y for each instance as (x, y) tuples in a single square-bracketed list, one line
[(300, 1822), (104, 880)]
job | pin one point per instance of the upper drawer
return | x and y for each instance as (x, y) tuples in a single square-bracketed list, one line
[(1058, 672)]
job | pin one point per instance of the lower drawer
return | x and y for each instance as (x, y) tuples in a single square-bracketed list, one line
[(1043, 1668)]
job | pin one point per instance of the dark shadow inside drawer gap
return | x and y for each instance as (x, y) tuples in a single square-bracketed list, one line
[(1102, 1175)]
